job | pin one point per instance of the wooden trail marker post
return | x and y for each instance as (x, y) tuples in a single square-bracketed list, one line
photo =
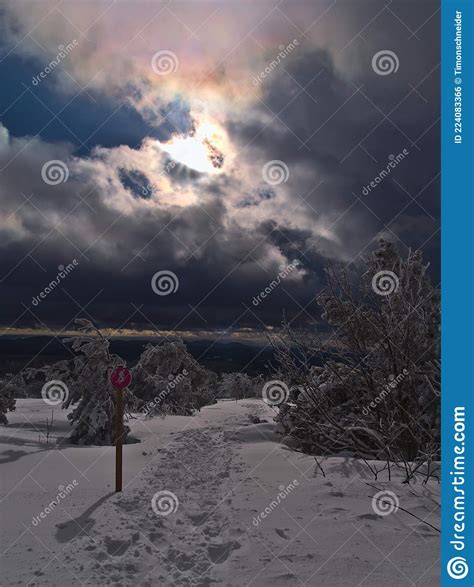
[(120, 378)]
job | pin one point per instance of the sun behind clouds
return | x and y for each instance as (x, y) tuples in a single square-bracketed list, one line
[(206, 149)]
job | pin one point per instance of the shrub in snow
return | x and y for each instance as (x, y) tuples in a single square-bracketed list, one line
[(376, 391), (168, 380), (240, 385), (9, 389)]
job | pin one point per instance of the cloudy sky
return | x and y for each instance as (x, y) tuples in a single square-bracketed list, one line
[(218, 142)]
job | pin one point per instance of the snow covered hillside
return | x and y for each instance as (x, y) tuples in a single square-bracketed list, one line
[(208, 500)]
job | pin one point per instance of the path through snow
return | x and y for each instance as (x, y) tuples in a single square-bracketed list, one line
[(224, 471)]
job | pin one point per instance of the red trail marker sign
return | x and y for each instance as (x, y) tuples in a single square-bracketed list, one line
[(120, 378)]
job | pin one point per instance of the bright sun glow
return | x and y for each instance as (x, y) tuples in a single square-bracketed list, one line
[(205, 151)]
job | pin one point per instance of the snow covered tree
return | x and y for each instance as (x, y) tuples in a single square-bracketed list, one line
[(93, 418), (168, 380), (372, 387), (84, 383)]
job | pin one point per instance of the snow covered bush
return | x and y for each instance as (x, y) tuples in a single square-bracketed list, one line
[(240, 385), (373, 386), (165, 380), (168, 380), (8, 391)]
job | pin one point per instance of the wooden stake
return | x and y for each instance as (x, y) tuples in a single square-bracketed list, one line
[(118, 439), (120, 378)]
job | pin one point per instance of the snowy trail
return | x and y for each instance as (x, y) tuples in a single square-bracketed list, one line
[(225, 473), (180, 548)]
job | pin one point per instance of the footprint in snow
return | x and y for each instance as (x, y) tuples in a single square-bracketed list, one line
[(282, 534), (116, 547), (368, 517), (218, 553), (198, 519)]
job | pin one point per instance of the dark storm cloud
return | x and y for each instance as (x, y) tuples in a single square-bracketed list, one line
[(118, 253), (229, 240), (345, 125), (85, 120)]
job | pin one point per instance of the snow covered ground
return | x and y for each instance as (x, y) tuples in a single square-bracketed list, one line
[(241, 509)]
